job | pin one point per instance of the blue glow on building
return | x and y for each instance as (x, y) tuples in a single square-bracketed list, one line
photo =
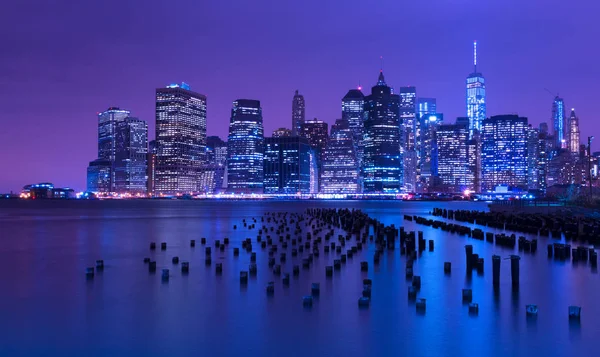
[(382, 162), (559, 118), (245, 147), (476, 100)]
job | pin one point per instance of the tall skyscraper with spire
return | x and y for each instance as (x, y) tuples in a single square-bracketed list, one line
[(559, 119), (476, 100), (573, 137), (382, 162), (298, 113)]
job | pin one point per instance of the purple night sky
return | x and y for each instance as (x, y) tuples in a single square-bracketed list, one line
[(64, 61)]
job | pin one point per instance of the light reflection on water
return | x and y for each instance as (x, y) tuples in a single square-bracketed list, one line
[(48, 308)]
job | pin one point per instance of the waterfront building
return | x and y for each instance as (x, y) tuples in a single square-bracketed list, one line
[(282, 132), (451, 142), (429, 149), (340, 165), (543, 152), (245, 148), (573, 133), (474, 163), (561, 169), (107, 125), (408, 137), (216, 151), (353, 105), (211, 178), (130, 168), (298, 113), (151, 161), (316, 132), (382, 162), (504, 152), (476, 98), (287, 165), (180, 139), (46, 190), (100, 176), (558, 119), (533, 154)]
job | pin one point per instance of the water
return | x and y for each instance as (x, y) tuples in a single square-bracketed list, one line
[(47, 307)]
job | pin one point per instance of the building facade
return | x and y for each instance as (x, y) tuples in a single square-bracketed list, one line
[(476, 99), (409, 124), (340, 165), (180, 139), (100, 176), (559, 121), (287, 165), (107, 125), (353, 105), (382, 162), (216, 151), (504, 152), (298, 113), (245, 147), (453, 164), (533, 147), (428, 157), (573, 133), (131, 157)]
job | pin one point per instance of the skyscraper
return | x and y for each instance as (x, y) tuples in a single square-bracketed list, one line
[(353, 111), (100, 176), (131, 154), (408, 146), (107, 124), (340, 164), (426, 106), (382, 162), (476, 100), (504, 152), (533, 147), (245, 147), (573, 137), (287, 165), (216, 151), (429, 147), (474, 163), (298, 113), (180, 138), (452, 156), (151, 161), (558, 119), (316, 132)]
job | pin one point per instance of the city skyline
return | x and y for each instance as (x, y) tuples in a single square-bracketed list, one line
[(40, 87)]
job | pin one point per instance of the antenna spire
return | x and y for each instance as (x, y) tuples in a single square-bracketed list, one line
[(475, 55), (381, 61)]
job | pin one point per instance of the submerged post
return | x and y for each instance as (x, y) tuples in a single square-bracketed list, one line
[(496, 269)]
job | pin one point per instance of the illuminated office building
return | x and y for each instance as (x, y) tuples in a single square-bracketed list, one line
[(426, 106), (100, 176), (408, 145), (452, 156), (533, 147), (131, 155), (287, 165), (559, 119), (316, 132), (180, 139), (216, 151), (543, 152), (504, 152), (353, 105), (476, 99), (474, 163), (429, 148), (245, 148), (151, 161), (298, 113), (382, 162), (340, 166), (107, 125), (211, 178), (573, 137)]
